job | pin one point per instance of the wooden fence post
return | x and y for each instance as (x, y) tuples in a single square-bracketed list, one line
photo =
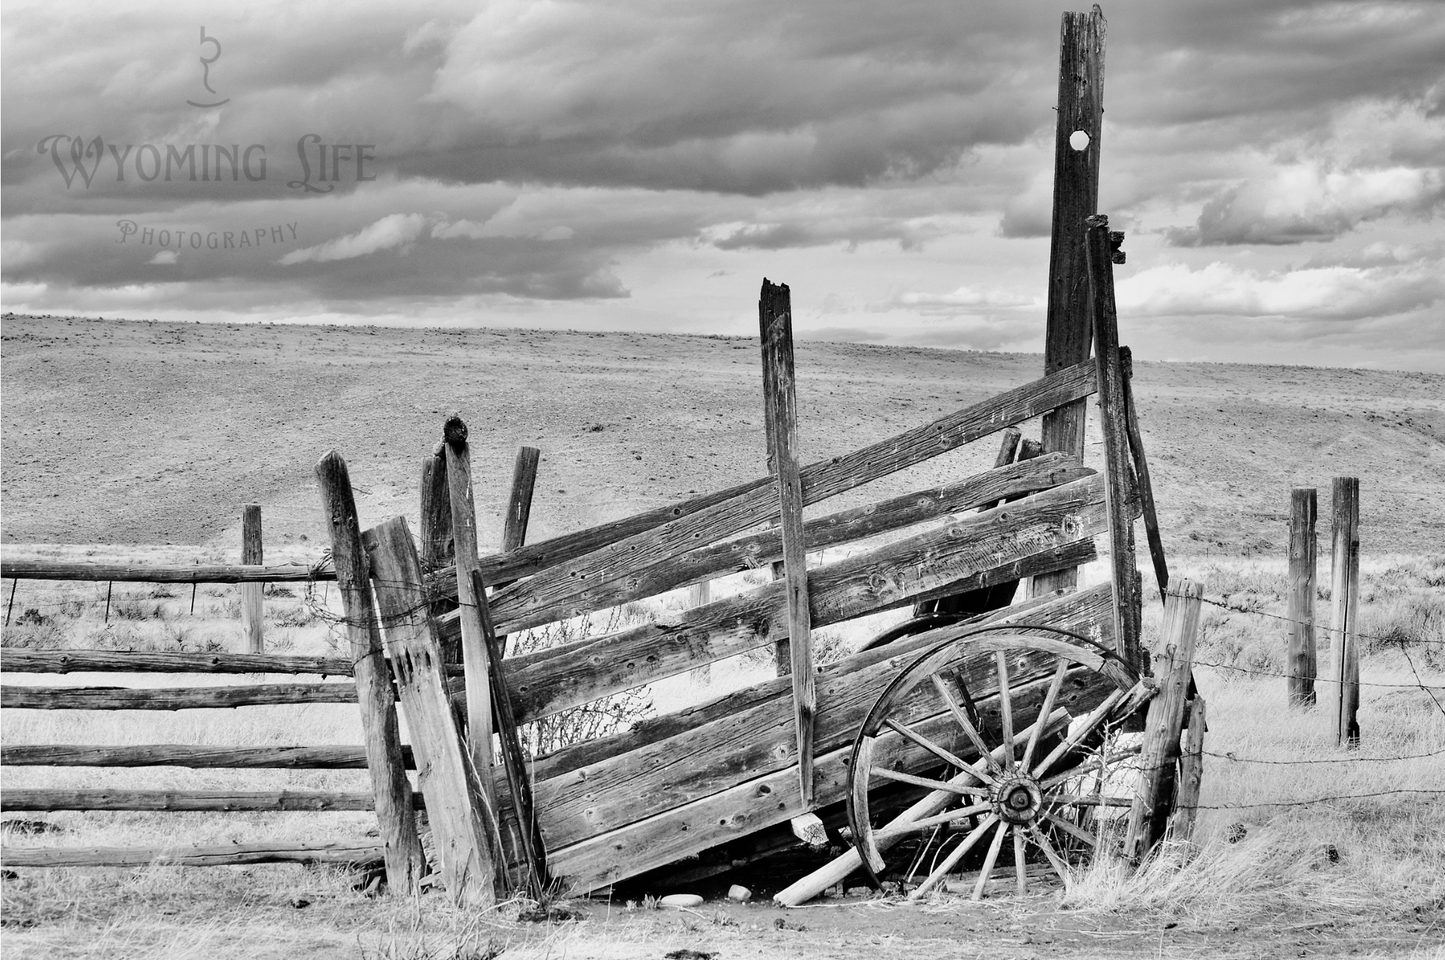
[(1068, 335), (700, 595), (1120, 488), (395, 811), (450, 782), (1191, 774), (252, 594), (775, 320), (437, 548), (519, 504), (1150, 812), (1301, 608), (1344, 602), (474, 644)]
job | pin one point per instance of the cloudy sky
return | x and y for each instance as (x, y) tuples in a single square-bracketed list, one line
[(643, 164)]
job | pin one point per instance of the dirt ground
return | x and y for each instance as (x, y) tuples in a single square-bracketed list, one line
[(149, 433), (236, 920)]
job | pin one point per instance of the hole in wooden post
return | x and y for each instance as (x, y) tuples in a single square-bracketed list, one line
[(1079, 140)]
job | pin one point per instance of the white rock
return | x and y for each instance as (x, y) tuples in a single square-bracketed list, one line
[(680, 901), (739, 894)]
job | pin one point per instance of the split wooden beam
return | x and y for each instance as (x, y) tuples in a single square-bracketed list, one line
[(780, 404), (469, 605), (12, 799), (1301, 654), (1078, 144), (172, 698), (457, 809), (1152, 805), (32, 569), (151, 661), (193, 756), (1344, 691), (222, 855), (1120, 489), (393, 798)]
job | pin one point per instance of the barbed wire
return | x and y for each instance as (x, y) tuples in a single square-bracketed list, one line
[(1313, 800), (1230, 755), (1384, 641)]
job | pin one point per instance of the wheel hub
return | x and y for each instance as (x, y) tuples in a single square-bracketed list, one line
[(1018, 799)]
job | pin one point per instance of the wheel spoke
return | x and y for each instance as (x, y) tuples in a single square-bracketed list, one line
[(989, 861), (1072, 830), (1085, 769), (888, 834), (1019, 870), (1006, 710), (1055, 861), (946, 785), (926, 743), (954, 855), (1044, 711), (969, 731), (1091, 723)]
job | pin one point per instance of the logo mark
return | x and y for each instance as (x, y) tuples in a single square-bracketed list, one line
[(206, 72)]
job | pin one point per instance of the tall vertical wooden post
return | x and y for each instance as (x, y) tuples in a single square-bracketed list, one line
[(519, 504), (1119, 489), (1345, 601), (775, 320), (1068, 335), (252, 594), (1301, 605), (474, 644), (395, 811), (437, 548)]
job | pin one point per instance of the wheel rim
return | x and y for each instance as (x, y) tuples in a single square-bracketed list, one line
[(1051, 696)]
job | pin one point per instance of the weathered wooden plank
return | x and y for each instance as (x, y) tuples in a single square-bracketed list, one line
[(1300, 610), (1191, 773), (1141, 474), (714, 756), (754, 550), (392, 795), (1120, 491), (172, 698), (253, 601), (990, 545), (223, 855), (24, 569), (186, 800), (1160, 752), (455, 803), (1085, 607), (474, 646), (534, 601), (191, 755), (150, 661), (780, 411)]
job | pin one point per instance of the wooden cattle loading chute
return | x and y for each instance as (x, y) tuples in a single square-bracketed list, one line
[(981, 720)]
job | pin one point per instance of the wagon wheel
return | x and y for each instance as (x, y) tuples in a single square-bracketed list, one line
[(1053, 696)]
